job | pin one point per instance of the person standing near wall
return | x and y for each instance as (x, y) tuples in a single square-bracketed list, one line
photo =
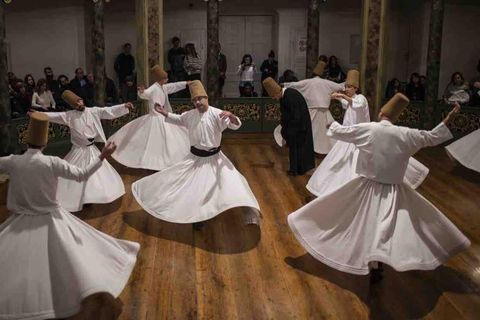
[(246, 71), (269, 68), (192, 63), (222, 70), (124, 64)]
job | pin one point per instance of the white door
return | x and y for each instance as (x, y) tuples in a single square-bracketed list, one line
[(240, 35), (197, 37)]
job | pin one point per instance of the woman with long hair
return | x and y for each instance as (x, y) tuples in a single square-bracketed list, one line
[(393, 87), (334, 71), (192, 63), (415, 91), (457, 90), (29, 85), (246, 71), (42, 98)]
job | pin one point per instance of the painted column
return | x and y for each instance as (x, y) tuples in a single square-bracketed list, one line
[(433, 60), (212, 47), (5, 112), (312, 36), (372, 60), (98, 46)]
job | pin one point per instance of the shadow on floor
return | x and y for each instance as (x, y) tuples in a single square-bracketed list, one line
[(101, 306), (224, 234), (399, 295), (467, 174)]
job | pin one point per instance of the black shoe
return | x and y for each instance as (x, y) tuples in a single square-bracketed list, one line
[(197, 226), (376, 274)]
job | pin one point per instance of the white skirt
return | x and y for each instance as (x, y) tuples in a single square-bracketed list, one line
[(197, 189), (104, 186), (338, 168), (51, 262), (466, 150), (150, 143), (366, 221), (320, 119)]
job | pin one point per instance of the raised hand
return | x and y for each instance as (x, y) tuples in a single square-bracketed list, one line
[(160, 109), (141, 89), (452, 113), (29, 113), (129, 106), (225, 114), (107, 151)]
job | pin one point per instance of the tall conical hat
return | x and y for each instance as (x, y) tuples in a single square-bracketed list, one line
[(353, 78), (197, 89), (37, 134), (319, 68), (393, 108), (271, 86), (70, 98), (159, 74)]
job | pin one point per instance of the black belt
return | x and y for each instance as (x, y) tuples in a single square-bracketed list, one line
[(204, 153), (91, 140)]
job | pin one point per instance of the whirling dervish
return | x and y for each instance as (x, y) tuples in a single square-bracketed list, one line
[(149, 142)]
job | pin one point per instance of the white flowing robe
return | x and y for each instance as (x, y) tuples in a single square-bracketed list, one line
[(375, 217), (338, 167), (149, 142), (50, 259), (318, 95), (105, 185), (198, 188), (466, 150)]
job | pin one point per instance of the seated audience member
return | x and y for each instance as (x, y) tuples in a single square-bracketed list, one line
[(63, 85), (457, 90), (393, 87), (415, 91), (333, 71), (475, 87), (52, 83), (79, 86), (111, 94), (42, 98), (423, 81), (21, 102), (30, 85), (90, 90), (288, 76), (129, 91), (248, 91), (12, 80)]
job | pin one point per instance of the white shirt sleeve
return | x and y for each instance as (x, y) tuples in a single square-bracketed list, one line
[(57, 117), (109, 113), (174, 87), (5, 163), (418, 139), (359, 102), (179, 120), (52, 101), (147, 93), (301, 86), (68, 171), (226, 123), (34, 101), (357, 134)]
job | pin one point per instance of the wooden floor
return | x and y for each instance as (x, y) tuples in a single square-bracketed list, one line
[(232, 271)]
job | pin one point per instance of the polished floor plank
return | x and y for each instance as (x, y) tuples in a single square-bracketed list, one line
[(229, 270)]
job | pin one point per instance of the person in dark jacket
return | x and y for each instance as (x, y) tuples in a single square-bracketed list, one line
[(124, 64), (129, 91), (415, 91), (63, 85), (111, 94), (296, 126), (79, 86), (222, 70), (269, 68), (52, 83)]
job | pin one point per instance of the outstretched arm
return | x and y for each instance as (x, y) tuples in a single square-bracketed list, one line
[(68, 171), (229, 120), (358, 134), (179, 120), (175, 86), (55, 117), (114, 112), (5, 163)]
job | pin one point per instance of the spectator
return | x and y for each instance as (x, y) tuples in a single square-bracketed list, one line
[(124, 64), (111, 94), (269, 68), (52, 83), (246, 70), (42, 98), (192, 63), (475, 87), (30, 85), (423, 81), (415, 91), (129, 91), (222, 70), (457, 90), (288, 76), (63, 85), (248, 91), (12, 81), (393, 87), (333, 71), (21, 103), (90, 90), (176, 57), (79, 86), (323, 58)]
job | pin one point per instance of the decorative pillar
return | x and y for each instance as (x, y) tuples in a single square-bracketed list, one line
[(372, 60), (155, 33), (312, 36), (5, 112), (212, 54), (98, 46), (141, 59), (433, 59)]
